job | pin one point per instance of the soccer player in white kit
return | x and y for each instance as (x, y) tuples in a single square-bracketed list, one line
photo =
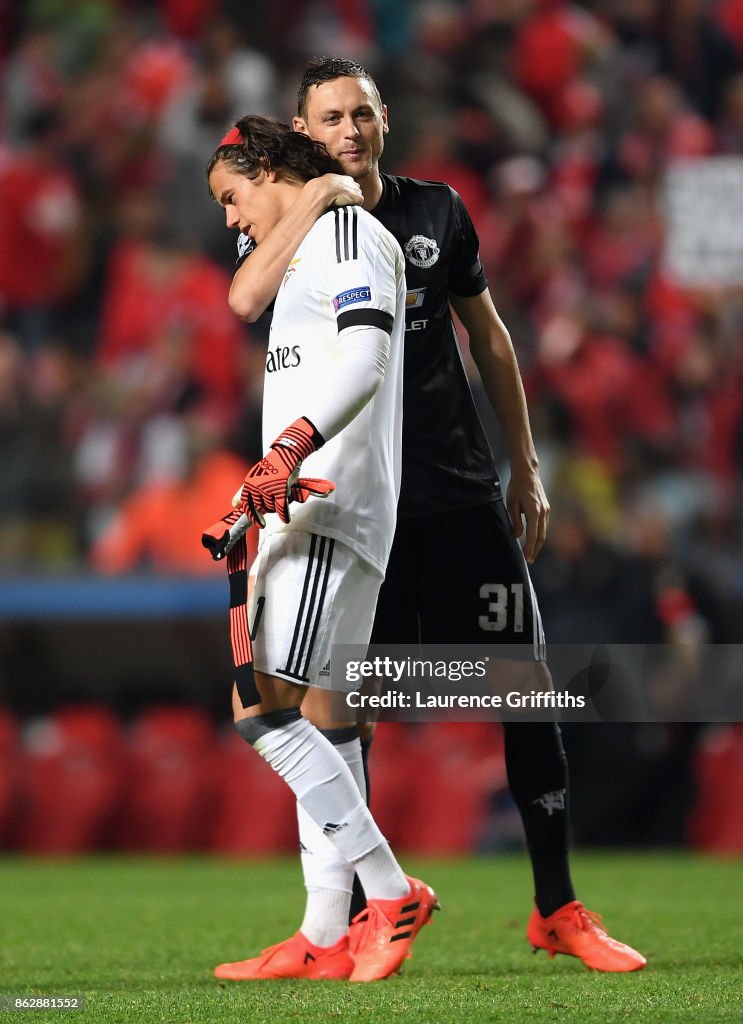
[(333, 397)]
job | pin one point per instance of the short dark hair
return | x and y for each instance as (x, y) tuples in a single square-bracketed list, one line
[(327, 69), (267, 144)]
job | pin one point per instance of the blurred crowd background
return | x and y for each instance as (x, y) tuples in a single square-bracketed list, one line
[(130, 395)]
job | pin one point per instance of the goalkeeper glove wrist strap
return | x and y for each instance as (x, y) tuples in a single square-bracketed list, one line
[(297, 441)]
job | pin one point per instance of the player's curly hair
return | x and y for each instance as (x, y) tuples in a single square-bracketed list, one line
[(327, 69), (266, 144)]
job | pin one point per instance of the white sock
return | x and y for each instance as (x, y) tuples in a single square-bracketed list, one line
[(351, 754), (381, 875), (379, 872), (325, 787), (326, 915), (328, 876)]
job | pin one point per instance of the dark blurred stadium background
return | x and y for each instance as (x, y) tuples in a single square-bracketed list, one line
[(129, 394)]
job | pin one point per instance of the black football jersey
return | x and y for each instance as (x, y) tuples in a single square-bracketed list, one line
[(447, 462)]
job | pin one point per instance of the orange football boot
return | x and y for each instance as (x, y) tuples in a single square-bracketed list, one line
[(382, 934), (296, 957), (575, 931)]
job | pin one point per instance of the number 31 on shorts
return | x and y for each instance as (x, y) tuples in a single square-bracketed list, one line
[(501, 599)]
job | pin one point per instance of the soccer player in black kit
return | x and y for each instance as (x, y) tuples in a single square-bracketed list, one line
[(448, 480)]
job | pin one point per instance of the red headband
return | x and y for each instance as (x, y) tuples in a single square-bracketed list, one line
[(232, 138)]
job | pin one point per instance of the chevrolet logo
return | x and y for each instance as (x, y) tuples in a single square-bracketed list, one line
[(414, 298)]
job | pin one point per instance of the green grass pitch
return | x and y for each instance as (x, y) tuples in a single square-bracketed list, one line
[(138, 939)]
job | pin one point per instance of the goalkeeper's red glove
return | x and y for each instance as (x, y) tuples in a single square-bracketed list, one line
[(274, 481)]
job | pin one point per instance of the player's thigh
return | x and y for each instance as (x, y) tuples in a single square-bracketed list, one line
[(478, 592), (321, 708), (310, 593), (476, 587), (276, 695)]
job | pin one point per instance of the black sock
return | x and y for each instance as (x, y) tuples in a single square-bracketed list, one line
[(358, 896), (537, 772)]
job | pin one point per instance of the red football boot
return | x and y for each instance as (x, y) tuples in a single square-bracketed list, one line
[(382, 934), (296, 957), (575, 931)]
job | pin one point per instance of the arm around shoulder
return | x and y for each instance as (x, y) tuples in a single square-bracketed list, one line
[(257, 280)]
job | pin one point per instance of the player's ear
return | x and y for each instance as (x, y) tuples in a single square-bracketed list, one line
[(269, 174), (385, 122), (299, 125)]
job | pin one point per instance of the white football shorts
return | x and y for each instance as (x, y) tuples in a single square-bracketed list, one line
[(308, 592)]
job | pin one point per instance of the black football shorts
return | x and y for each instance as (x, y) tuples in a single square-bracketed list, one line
[(459, 578)]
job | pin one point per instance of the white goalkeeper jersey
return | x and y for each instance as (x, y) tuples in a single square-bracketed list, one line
[(348, 271)]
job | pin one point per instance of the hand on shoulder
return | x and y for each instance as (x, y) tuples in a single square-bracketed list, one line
[(336, 190)]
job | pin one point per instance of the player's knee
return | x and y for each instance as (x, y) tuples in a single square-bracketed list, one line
[(516, 682), (320, 709), (254, 728), (366, 731), (543, 676)]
